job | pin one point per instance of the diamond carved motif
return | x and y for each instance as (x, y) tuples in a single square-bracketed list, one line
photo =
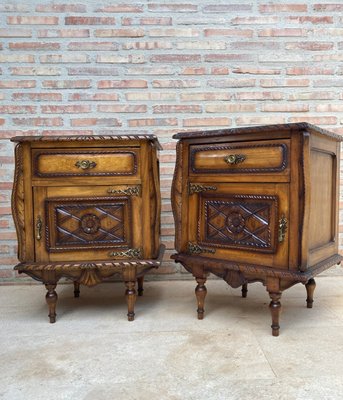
[(238, 223)]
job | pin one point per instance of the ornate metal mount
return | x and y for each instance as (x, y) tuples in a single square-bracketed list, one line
[(232, 159), (194, 188), (131, 253), (194, 248), (85, 164), (39, 225), (282, 228), (131, 191)]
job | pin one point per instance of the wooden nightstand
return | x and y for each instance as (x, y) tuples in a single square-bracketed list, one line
[(86, 208), (257, 204)]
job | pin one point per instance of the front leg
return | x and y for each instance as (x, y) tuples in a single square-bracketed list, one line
[(310, 286), (51, 299), (76, 289), (200, 292), (140, 281), (275, 308), (131, 299)]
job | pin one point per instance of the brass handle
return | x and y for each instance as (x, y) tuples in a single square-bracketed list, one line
[(39, 225), (131, 191), (232, 159), (282, 228), (85, 164), (130, 253)]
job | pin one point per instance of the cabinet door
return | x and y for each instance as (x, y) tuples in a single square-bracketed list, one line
[(77, 223), (240, 222)]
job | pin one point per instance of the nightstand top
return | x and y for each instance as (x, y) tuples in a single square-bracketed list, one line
[(88, 138), (293, 127)]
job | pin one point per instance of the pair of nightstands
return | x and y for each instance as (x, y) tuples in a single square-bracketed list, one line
[(250, 204)]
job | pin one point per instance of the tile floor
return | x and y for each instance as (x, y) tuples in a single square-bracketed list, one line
[(92, 352)]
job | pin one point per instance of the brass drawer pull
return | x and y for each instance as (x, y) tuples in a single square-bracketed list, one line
[(194, 188), (282, 228), (39, 225), (232, 159), (194, 248), (131, 253), (85, 164), (131, 191)]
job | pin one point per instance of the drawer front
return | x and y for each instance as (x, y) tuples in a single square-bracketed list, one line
[(241, 222), (74, 225), (69, 163), (239, 158)]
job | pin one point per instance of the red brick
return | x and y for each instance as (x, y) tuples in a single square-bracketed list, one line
[(124, 32), (32, 20), (284, 82), (260, 120), (225, 8), (250, 45), (256, 71), (37, 96), (172, 7), (121, 8), (230, 108), (11, 32), (285, 32), (113, 108), (328, 83), (164, 109), (228, 57), (193, 71), (64, 58), (17, 84), (264, 96), (72, 109), (151, 70), (95, 122), (35, 71), (63, 33), (329, 108), (173, 32), (220, 71), (17, 58), (205, 96), (233, 82), (61, 8), (14, 7), (93, 97), (93, 46), (89, 21), (12, 109), (146, 21), (77, 84), (310, 71), (123, 84), (276, 8), (147, 45), (51, 121), (148, 96), (315, 120), (228, 32), (178, 58), (6, 273), (265, 20), (311, 96), (284, 107), (177, 83), (93, 71), (328, 7), (33, 46), (2, 121), (67, 132), (120, 59), (153, 122), (203, 122), (310, 20), (312, 46)]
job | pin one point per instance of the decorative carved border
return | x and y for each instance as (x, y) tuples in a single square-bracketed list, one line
[(17, 201), (237, 245), (176, 196), (109, 245), (297, 126), (201, 148), (90, 173)]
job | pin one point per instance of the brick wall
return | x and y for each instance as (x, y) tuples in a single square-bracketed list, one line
[(161, 67)]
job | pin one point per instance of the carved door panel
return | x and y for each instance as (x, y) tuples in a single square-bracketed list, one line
[(240, 222), (78, 223)]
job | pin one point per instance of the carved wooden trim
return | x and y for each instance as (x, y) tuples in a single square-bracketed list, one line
[(155, 201), (176, 196), (17, 200), (298, 126), (88, 138), (80, 173), (201, 148)]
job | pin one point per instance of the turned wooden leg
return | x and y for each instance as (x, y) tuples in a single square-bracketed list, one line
[(275, 308), (200, 292), (131, 299), (76, 289), (310, 286), (51, 299), (140, 281), (244, 290)]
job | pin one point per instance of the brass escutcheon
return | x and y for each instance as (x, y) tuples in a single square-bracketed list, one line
[(282, 228), (85, 164), (232, 159)]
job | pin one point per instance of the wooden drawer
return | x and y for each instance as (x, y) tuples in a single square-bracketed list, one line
[(263, 157), (49, 163)]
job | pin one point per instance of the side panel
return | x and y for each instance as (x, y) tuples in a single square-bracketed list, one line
[(322, 241)]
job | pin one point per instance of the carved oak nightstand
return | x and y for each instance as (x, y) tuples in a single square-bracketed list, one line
[(257, 204), (86, 208)]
